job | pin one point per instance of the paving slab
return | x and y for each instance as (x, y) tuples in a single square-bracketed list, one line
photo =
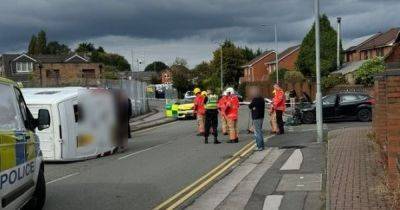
[(300, 182)]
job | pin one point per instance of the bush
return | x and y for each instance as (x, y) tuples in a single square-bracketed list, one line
[(272, 76), (331, 81), (293, 77), (365, 74)]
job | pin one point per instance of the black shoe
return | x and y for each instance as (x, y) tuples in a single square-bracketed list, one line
[(225, 134), (230, 142), (205, 141), (236, 140), (217, 142)]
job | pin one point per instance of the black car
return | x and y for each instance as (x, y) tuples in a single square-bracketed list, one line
[(342, 106)]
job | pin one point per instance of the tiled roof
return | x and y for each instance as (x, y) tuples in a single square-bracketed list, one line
[(349, 67), (380, 40), (288, 51), (256, 59)]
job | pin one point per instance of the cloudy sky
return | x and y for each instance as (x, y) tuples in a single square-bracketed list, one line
[(165, 29)]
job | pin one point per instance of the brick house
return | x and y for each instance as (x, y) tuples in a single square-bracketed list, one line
[(49, 69), (378, 45), (166, 76), (287, 59), (384, 45), (255, 70)]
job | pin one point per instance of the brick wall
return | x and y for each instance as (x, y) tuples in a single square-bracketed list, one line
[(258, 71), (68, 73), (386, 121)]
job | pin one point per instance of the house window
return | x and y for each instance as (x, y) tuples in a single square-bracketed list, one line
[(88, 73), (379, 52), (24, 67), (365, 55)]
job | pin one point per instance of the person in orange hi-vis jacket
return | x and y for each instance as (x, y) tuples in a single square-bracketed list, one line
[(231, 113), (279, 107), (200, 111), (221, 108)]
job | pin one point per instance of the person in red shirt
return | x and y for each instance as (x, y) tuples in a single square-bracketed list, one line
[(279, 107), (231, 113), (200, 111), (221, 108)]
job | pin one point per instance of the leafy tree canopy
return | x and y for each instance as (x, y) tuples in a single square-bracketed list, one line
[(293, 77), (86, 47), (365, 74), (331, 81), (56, 48), (233, 60), (180, 61), (328, 39), (181, 79), (281, 75), (156, 66)]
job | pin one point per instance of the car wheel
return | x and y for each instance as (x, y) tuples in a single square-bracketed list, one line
[(308, 118), (39, 196), (364, 115)]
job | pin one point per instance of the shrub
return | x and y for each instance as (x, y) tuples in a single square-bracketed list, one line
[(331, 81), (365, 74)]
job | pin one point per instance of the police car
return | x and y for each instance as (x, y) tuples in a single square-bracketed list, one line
[(22, 183)]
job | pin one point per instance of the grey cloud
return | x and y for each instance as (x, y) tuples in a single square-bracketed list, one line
[(171, 20)]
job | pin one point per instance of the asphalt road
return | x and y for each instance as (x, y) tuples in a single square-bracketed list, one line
[(158, 163)]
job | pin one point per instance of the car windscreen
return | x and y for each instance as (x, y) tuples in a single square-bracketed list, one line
[(10, 118)]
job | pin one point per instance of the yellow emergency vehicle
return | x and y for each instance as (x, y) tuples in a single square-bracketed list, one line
[(22, 182)]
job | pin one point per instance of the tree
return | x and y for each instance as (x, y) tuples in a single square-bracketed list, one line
[(32, 45), (56, 48), (156, 66), (41, 43), (248, 53), (181, 79), (86, 47), (365, 74), (233, 60), (306, 61), (180, 61), (293, 77)]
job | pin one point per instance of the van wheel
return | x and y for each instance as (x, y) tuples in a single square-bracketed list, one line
[(364, 115), (39, 196), (308, 118)]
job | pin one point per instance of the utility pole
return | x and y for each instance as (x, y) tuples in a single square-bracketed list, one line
[(318, 74), (276, 54), (339, 37)]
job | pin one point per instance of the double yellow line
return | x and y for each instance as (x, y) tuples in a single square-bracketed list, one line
[(182, 196)]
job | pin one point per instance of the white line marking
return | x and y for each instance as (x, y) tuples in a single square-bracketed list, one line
[(272, 202), (62, 178), (294, 161), (135, 153)]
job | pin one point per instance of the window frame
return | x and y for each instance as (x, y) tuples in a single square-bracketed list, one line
[(23, 67)]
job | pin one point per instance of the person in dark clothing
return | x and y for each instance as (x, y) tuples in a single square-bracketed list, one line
[(257, 107), (211, 117)]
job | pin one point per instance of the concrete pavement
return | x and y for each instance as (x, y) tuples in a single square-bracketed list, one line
[(159, 162)]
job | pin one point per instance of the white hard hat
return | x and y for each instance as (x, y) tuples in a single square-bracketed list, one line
[(230, 90), (224, 93)]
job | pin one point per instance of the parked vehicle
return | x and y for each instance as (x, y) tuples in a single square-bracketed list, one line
[(342, 106), (185, 109), (189, 95), (75, 133), (22, 181)]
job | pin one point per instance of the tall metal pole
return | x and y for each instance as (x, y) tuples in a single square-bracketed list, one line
[(276, 54), (339, 36), (222, 73), (318, 74)]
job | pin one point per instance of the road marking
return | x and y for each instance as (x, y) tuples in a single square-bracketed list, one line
[(152, 128), (294, 161), (62, 178), (272, 202), (135, 153), (180, 197)]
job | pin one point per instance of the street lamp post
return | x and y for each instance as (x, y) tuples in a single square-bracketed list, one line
[(339, 34), (318, 74), (221, 66), (222, 73), (276, 50)]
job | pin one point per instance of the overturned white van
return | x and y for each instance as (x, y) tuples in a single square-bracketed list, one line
[(82, 122)]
